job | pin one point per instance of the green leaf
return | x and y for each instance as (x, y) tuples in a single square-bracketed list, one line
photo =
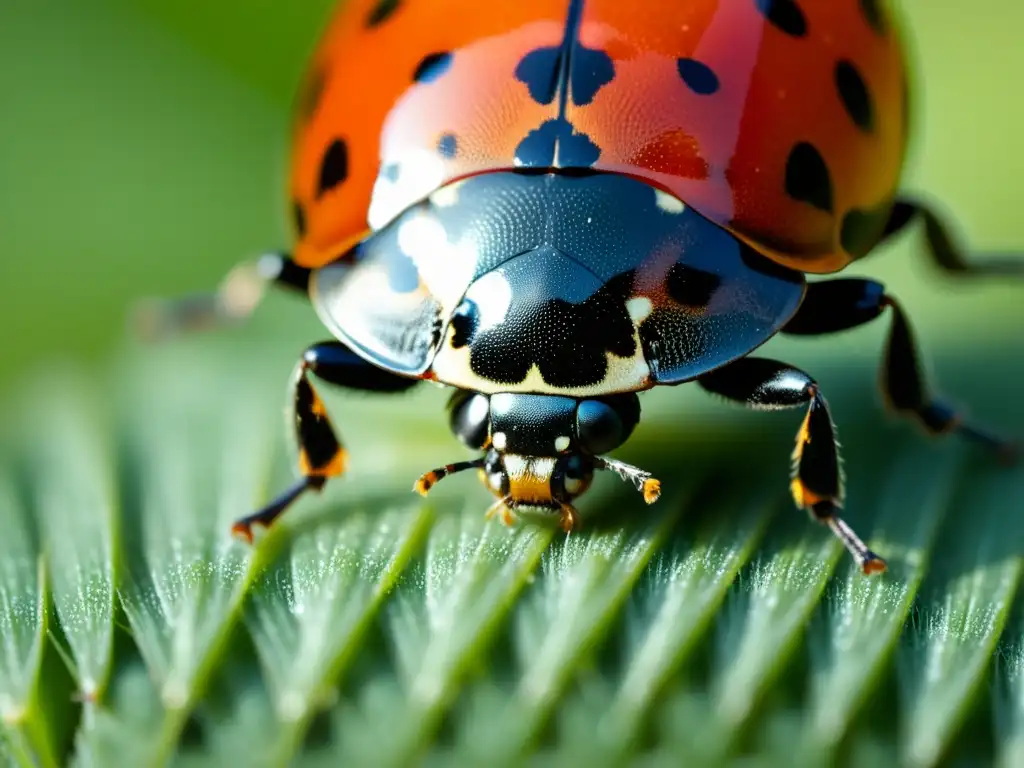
[(194, 463), (309, 613), (967, 599), (857, 627), (22, 634), (674, 606), (371, 626), (76, 510), (440, 621)]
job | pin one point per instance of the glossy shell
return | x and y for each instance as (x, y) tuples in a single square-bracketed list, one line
[(784, 120), (549, 283)]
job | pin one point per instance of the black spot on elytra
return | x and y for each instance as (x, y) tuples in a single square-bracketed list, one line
[(807, 177), (540, 71), (381, 12), (567, 342), (853, 92), (691, 287), (334, 167), (448, 145), (861, 229), (299, 218), (465, 320), (555, 144), (432, 66), (698, 76), (591, 70), (784, 15), (874, 16)]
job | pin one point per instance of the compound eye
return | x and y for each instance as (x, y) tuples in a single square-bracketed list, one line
[(599, 426), (470, 417)]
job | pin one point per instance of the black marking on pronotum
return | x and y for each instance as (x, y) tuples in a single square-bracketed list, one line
[(464, 322), (807, 177), (559, 338), (691, 287)]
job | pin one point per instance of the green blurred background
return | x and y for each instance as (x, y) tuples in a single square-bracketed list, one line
[(143, 145)]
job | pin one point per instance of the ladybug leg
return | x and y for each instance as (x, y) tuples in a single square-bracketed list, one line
[(502, 508), (236, 298), (321, 453), (942, 247), (835, 305), (817, 483)]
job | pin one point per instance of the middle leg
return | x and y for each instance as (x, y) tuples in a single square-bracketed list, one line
[(817, 484), (835, 305)]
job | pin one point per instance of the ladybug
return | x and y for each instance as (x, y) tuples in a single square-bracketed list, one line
[(553, 205)]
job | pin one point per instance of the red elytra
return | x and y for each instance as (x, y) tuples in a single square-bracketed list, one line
[(786, 123)]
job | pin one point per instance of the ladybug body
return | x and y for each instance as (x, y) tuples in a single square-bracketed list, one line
[(783, 120), (552, 205)]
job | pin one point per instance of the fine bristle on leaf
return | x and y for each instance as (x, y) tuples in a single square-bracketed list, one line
[(370, 625)]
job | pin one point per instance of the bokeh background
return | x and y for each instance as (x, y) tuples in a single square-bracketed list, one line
[(142, 152), (143, 146)]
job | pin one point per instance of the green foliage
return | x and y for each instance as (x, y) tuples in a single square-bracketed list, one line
[(375, 627)]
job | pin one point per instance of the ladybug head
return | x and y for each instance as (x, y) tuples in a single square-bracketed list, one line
[(542, 450)]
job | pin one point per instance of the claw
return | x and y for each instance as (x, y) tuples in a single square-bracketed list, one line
[(502, 509), (570, 518)]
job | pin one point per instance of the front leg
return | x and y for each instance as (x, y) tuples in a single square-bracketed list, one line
[(831, 306), (238, 295), (816, 485), (321, 453)]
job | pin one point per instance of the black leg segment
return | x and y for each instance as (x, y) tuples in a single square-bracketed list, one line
[(321, 453), (235, 300), (817, 484), (942, 246), (835, 305)]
